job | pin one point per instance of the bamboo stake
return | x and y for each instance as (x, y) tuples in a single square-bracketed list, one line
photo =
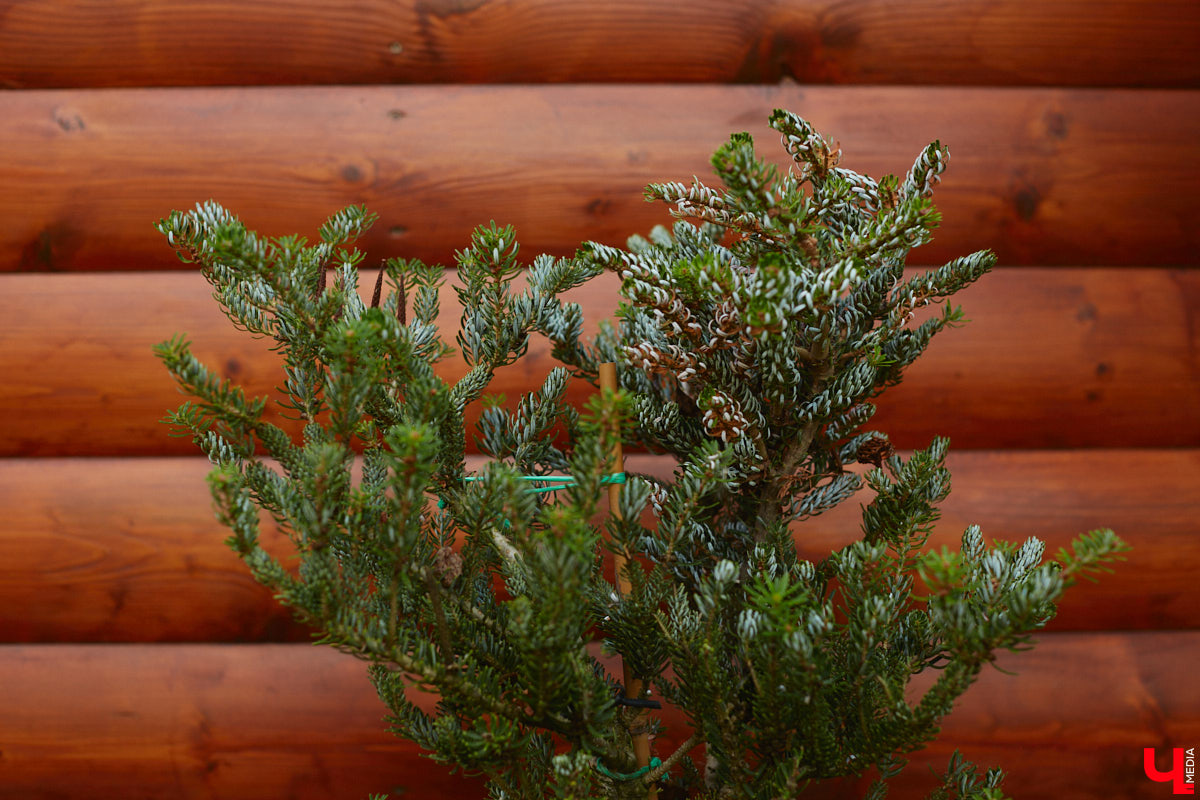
[(633, 684)]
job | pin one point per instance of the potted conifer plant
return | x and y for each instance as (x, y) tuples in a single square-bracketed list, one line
[(751, 340)]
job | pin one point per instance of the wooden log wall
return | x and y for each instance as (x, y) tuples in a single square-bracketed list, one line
[(138, 660)]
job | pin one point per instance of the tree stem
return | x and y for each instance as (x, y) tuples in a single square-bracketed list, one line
[(673, 759)]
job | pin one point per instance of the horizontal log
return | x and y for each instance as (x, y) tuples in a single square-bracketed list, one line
[(1077, 737), (1147, 497), (1052, 358), (233, 721), (47, 44), (127, 550), (291, 721), (1043, 176)]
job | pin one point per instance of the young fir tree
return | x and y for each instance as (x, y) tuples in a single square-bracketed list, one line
[(752, 339)]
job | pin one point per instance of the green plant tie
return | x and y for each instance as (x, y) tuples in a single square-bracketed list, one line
[(655, 763), (555, 482)]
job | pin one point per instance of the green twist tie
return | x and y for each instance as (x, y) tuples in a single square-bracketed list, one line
[(655, 763), (560, 481), (555, 482)]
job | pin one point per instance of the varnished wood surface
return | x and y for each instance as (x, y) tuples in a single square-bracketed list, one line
[(1042, 176), (128, 550), (1051, 358), (202, 686), (1072, 722), (52, 43), (292, 721), (125, 550), (1148, 497)]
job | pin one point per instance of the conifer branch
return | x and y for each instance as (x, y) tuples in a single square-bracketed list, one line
[(670, 761)]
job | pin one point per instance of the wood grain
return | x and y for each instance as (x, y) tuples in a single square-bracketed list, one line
[(291, 721), (1051, 358), (236, 721), (46, 44), (1148, 497), (1044, 176), (1072, 722), (127, 550)]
